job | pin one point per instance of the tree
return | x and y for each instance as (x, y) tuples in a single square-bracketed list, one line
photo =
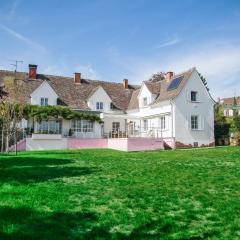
[(235, 126), (156, 77), (219, 118), (203, 80), (2, 92), (221, 126), (11, 110)]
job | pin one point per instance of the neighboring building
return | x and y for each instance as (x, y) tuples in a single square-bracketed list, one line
[(228, 105), (177, 110)]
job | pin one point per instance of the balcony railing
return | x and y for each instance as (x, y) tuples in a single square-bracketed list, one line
[(139, 132)]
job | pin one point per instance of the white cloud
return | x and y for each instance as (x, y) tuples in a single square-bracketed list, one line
[(87, 72), (62, 69), (22, 38), (169, 42), (220, 66), (218, 62)]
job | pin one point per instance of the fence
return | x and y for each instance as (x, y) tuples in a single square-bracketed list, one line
[(9, 140), (152, 132)]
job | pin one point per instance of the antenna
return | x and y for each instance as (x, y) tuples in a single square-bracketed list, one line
[(16, 64)]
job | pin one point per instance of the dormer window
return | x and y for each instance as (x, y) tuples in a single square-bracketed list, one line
[(44, 102), (193, 96), (99, 105), (144, 101)]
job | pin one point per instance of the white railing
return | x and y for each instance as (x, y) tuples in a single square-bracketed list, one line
[(139, 132)]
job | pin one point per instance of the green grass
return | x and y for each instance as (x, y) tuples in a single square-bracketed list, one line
[(106, 194)]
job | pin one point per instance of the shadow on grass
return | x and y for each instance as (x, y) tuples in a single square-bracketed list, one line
[(24, 170), (24, 223), (15, 161)]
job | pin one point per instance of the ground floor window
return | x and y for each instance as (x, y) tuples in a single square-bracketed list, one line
[(194, 122), (162, 122), (49, 127), (145, 124), (82, 126), (115, 126)]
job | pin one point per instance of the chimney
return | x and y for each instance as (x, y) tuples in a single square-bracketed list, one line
[(169, 75), (32, 71), (125, 83), (77, 78)]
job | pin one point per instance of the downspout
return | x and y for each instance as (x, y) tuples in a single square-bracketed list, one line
[(171, 102)]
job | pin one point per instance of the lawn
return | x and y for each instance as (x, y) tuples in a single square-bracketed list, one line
[(106, 194)]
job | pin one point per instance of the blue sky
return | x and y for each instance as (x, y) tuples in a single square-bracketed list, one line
[(112, 39)]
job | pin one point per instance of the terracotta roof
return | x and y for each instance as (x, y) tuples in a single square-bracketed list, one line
[(160, 88), (134, 103), (167, 95), (230, 101), (70, 94), (153, 87)]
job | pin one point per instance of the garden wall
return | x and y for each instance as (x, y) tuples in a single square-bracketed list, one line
[(135, 144), (122, 144), (74, 143)]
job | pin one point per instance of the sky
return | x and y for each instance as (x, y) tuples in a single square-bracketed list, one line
[(116, 39)]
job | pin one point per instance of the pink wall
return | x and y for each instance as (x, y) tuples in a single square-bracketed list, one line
[(21, 146), (118, 144), (144, 144), (122, 144), (74, 143), (169, 142), (135, 144)]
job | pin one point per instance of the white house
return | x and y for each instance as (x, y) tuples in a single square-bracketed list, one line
[(176, 111), (228, 105)]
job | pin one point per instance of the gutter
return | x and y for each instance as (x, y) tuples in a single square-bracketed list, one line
[(171, 102)]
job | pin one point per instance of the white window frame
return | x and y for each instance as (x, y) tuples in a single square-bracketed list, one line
[(83, 126), (115, 126), (49, 127), (144, 101), (145, 124), (196, 96), (43, 101), (163, 122), (99, 105), (194, 123)]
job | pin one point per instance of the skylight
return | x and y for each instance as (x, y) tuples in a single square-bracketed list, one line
[(175, 83)]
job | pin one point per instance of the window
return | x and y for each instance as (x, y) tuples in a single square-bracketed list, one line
[(226, 112), (195, 144), (145, 125), (230, 112), (163, 122), (87, 126), (193, 96), (82, 126), (99, 105), (49, 127), (115, 126), (113, 107), (145, 102), (194, 122), (44, 102)]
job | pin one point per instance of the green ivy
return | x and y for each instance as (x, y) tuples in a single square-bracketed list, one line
[(45, 112)]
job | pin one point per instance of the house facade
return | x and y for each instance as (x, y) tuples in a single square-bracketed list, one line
[(228, 106), (176, 111)]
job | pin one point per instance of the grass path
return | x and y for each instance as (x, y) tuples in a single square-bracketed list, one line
[(106, 194)]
